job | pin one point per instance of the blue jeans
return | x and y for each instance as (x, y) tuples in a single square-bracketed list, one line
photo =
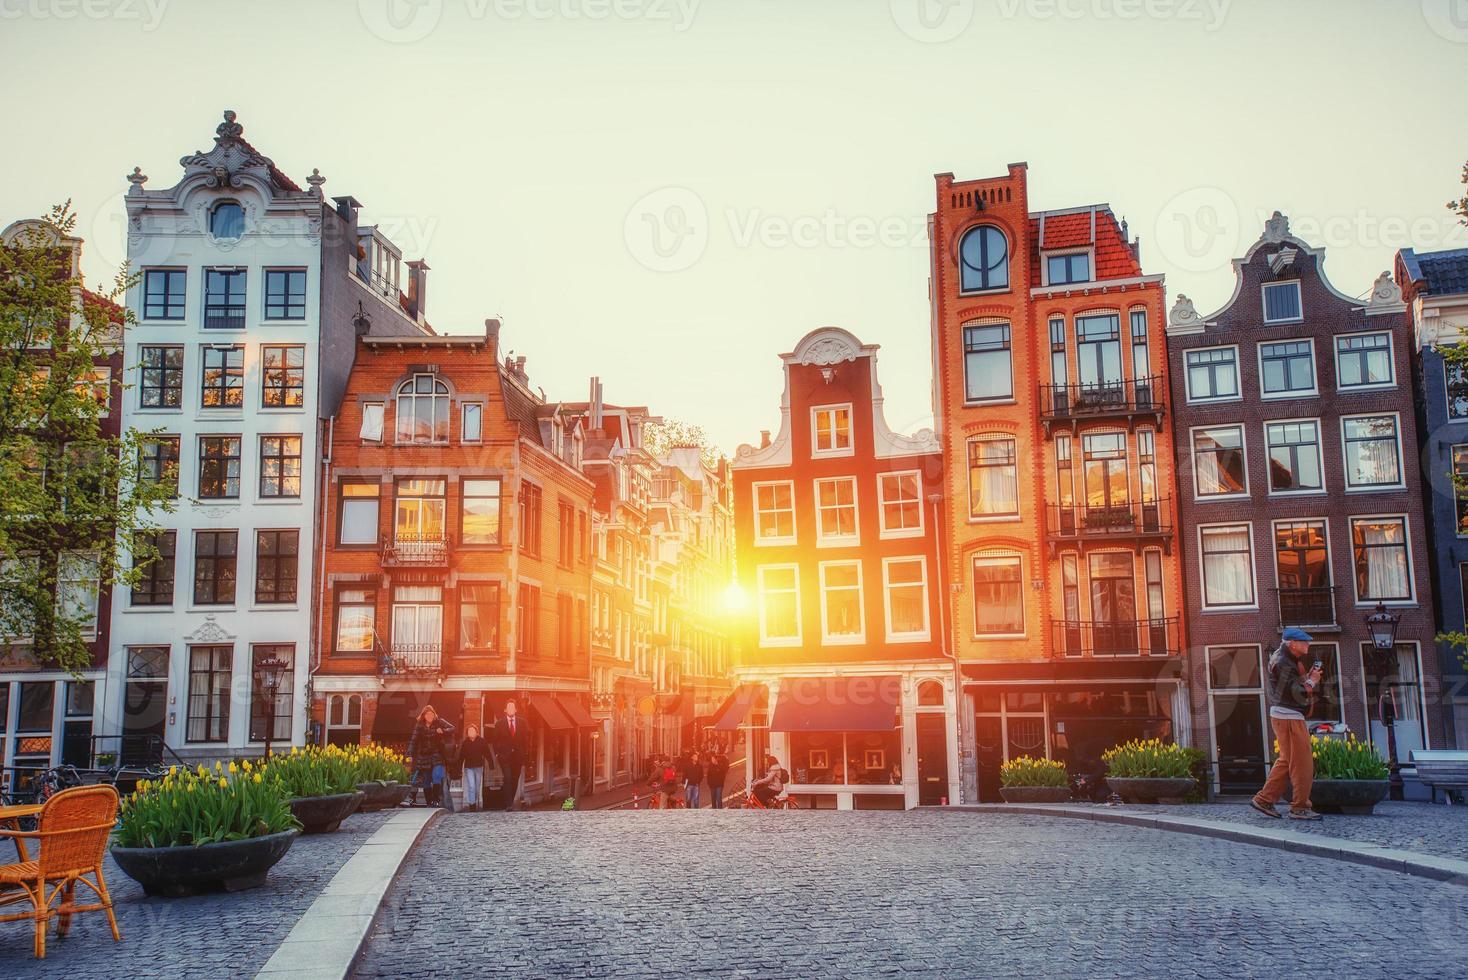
[(716, 796), (690, 795), (445, 787)]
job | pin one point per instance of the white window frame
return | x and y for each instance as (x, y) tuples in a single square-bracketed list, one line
[(1204, 498), (861, 607), (464, 409), (1411, 572), (1319, 449), (1391, 357), (815, 449), (1264, 288), (381, 408), (1401, 483), (1060, 253), (1005, 556), (926, 632), (765, 640), (1213, 399), (884, 531), (991, 436), (824, 540), (1329, 548), (1203, 575), (770, 541), (1314, 389)]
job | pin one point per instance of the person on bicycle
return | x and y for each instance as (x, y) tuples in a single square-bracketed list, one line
[(769, 788)]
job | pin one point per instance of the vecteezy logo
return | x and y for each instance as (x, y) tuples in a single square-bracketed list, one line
[(932, 21), (667, 230), (400, 21), (1447, 18), (1198, 230)]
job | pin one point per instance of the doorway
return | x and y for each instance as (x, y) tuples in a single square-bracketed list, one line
[(932, 758), (144, 706), (1113, 605)]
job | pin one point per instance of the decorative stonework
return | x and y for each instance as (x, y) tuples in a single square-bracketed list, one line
[(137, 179), (231, 161), (829, 345), (1184, 316), (1276, 229), (316, 180), (1386, 296), (209, 631)]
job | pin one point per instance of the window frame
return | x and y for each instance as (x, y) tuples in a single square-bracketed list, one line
[(1460, 497), (381, 408), (1448, 383), (341, 512), (1193, 399), (969, 467), (1006, 345), (893, 636), (231, 378), (279, 561), (229, 275), (529, 509), (284, 695), (1391, 360), (771, 541), (1253, 602), (1405, 519), (162, 459), (497, 590), (498, 498), (217, 535), (1314, 389), (824, 540), (1265, 287), (281, 459), (237, 458), (292, 379), (883, 531), (860, 636), (408, 391), (370, 602), (168, 272), (1319, 452), (985, 273), (1068, 255), (165, 373), (211, 722), (816, 411), (994, 558), (1243, 430), (464, 410), (765, 640), (153, 574), (287, 304), (1401, 482)]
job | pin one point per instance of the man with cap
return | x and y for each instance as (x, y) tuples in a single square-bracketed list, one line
[(1291, 689)]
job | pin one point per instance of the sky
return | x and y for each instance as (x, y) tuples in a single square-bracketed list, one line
[(668, 194)]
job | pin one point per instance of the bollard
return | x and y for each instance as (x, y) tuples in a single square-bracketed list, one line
[(636, 801), (943, 801)]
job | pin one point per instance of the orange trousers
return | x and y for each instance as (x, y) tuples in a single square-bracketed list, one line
[(1294, 765)]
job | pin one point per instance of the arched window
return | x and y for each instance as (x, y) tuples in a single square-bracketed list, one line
[(334, 716), (984, 259), (354, 710), (930, 694), (227, 221), (423, 410)]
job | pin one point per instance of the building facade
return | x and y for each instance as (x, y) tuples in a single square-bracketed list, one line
[(1061, 575), (842, 669), (1301, 502)]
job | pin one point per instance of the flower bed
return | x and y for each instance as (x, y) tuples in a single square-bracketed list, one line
[(1150, 770), (1028, 780)]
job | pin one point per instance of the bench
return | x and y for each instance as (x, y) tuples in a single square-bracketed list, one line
[(1445, 769)]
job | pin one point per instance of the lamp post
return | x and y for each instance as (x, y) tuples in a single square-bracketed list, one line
[(271, 668), (1383, 626)]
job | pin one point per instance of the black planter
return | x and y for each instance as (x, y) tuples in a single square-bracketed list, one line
[(1151, 789), (379, 795), (1035, 794), (1350, 796), (231, 866), (324, 814)]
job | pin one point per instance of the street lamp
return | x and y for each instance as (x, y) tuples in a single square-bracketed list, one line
[(1383, 626), (271, 669)]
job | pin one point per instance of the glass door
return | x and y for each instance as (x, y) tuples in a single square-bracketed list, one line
[(1113, 605)]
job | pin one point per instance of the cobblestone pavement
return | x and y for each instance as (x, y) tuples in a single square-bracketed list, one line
[(770, 895), (1439, 830), (206, 937)]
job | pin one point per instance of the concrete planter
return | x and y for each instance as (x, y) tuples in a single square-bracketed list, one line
[(1350, 796), (1035, 794), (324, 814), (1150, 789), (174, 872), (378, 795)]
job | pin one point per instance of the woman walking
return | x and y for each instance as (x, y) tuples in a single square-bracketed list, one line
[(717, 772), (473, 755), (692, 777), (429, 748)]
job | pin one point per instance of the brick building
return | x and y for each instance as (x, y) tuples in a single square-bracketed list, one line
[(1050, 396), (1301, 501)]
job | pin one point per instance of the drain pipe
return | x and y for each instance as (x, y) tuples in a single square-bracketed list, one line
[(322, 530), (936, 499)]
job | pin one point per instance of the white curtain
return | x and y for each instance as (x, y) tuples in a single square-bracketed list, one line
[(1386, 567), (1226, 578)]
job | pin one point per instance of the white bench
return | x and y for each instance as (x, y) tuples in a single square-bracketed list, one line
[(1445, 769)]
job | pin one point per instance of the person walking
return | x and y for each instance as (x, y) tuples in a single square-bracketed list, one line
[(511, 748), (473, 754), (430, 747), (1291, 690), (692, 781), (717, 772)]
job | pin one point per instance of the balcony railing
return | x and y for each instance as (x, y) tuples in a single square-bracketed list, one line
[(1139, 519), (411, 659), (1155, 638), (1307, 607), (1119, 399), (224, 316), (416, 551)]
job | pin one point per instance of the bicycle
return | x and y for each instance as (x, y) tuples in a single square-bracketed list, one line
[(786, 802)]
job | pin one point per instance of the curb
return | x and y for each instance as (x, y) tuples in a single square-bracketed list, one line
[(328, 937), (1448, 870)]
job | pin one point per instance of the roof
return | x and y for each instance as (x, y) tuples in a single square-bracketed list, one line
[(1072, 228), (1441, 273), (521, 407), (277, 176), (112, 309)]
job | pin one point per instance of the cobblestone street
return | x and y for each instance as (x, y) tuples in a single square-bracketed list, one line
[(735, 893)]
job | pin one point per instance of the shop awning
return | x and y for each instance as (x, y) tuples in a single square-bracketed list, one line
[(573, 710), (550, 713), (837, 704), (735, 709)]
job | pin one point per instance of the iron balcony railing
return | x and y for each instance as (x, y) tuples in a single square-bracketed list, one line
[(1101, 640), (416, 550), (224, 316), (1307, 607), (411, 659), (1138, 396), (1130, 519)]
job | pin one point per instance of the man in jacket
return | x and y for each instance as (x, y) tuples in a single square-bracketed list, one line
[(1291, 689), (511, 747)]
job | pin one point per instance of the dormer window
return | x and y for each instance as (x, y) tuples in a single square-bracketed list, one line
[(423, 410), (1061, 270), (831, 431), (227, 221), (1282, 302), (983, 259)]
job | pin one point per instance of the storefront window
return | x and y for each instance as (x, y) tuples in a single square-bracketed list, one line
[(846, 758)]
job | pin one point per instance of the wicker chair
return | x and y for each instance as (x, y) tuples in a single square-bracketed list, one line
[(71, 833)]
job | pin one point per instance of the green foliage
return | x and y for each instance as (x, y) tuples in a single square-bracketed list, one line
[(1025, 771), (1150, 758), (202, 806), (1346, 759), (377, 763), (1460, 206), (662, 435), (314, 771)]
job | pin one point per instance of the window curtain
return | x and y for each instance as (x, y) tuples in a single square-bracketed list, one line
[(1226, 578), (1378, 458), (1386, 564)]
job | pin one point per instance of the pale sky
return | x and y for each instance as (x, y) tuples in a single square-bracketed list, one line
[(670, 193)]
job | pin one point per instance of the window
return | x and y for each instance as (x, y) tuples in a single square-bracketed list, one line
[(1364, 361), (158, 460), (987, 371), (841, 608), (900, 504), (209, 693), (999, 602), (1063, 269), (1213, 374), (565, 625), (983, 259), (1228, 565), (264, 715), (1234, 668), (78, 583), (993, 477), (280, 466), (528, 620), (471, 423), (1141, 359), (1383, 573), (359, 513), (529, 518), (1287, 369), (283, 373), (371, 422), (480, 523), (227, 221), (161, 384), (155, 586), (214, 567), (774, 513), (779, 605), (356, 620), (905, 585), (1107, 481), (163, 294), (565, 534), (224, 299), (275, 566), (423, 410), (285, 294), (1302, 568), (223, 381), (1218, 462), (1294, 457), (219, 467), (1059, 375), (479, 616), (417, 625), (420, 511), (832, 427), (836, 510), (1456, 378), (1372, 455), (1282, 302), (1460, 490)]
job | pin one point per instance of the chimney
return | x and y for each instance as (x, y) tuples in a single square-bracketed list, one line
[(520, 370), (417, 288), (492, 331), (593, 407), (764, 438)]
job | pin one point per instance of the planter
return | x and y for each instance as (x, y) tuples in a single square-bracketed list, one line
[(379, 795), (1035, 794), (1151, 789), (323, 814), (1350, 796), (173, 872)]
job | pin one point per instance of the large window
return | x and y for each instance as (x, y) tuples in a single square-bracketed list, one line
[(283, 370), (158, 460), (1228, 565), (78, 584), (417, 624), (993, 476), (155, 586), (423, 410), (161, 382), (1064, 269), (527, 614), (779, 605), (227, 221), (1456, 381), (846, 758), (223, 382), (479, 616), (419, 512), (1364, 361), (999, 607), (842, 620), (1107, 481), (219, 467), (210, 671), (1218, 462), (831, 430), (1282, 302), (1098, 353), (1372, 453), (905, 586), (163, 294), (481, 519), (1294, 457), (356, 620), (1287, 369), (262, 712), (836, 510), (900, 504), (529, 518), (1213, 374), (1383, 568), (1302, 566), (280, 466), (565, 534), (359, 512), (987, 371), (285, 294), (1460, 490), (983, 259), (215, 558), (276, 560), (774, 513), (471, 422), (224, 299)]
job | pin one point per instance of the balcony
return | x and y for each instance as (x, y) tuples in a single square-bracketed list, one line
[(416, 551), (224, 316), (412, 660), (1125, 400), (1084, 639), (1307, 607), (1138, 522)]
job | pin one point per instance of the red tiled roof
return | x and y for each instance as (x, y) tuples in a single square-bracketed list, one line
[(1067, 230), (276, 174), (92, 299), (1114, 259)]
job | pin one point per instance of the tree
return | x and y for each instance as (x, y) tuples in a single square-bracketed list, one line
[(71, 491), (666, 434), (1455, 359), (1460, 206)]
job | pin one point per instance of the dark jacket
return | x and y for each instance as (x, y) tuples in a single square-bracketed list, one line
[(693, 773), (1286, 684), (511, 750), (717, 770), (431, 745), (474, 752)]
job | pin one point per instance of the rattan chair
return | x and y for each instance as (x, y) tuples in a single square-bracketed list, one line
[(71, 834)]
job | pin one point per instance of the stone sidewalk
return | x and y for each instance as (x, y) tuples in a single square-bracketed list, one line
[(1438, 830)]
